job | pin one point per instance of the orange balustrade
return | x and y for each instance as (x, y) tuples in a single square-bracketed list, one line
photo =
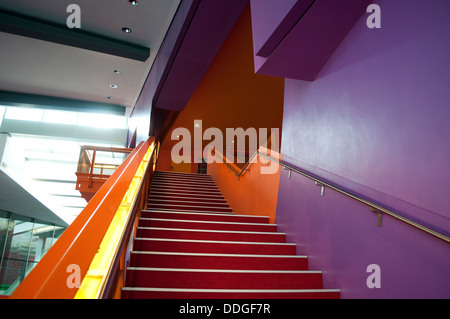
[(92, 174), (78, 245)]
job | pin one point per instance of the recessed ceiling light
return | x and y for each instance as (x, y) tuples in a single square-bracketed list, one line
[(126, 30), (116, 71), (113, 86), (133, 2), (110, 98)]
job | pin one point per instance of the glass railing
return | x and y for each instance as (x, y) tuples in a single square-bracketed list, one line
[(23, 242)]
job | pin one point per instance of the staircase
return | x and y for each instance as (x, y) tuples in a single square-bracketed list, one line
[(190, 245)]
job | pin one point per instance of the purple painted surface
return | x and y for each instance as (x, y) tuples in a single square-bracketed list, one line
[(208, 30), (272, 20), (310, 43), (140, 118), (195, 36), (376, 121)]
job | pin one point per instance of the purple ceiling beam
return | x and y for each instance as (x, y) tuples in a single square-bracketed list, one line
[(294, 39)]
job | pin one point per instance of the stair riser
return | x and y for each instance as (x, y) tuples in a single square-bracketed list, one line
[(193, 208), (206, 225), (159, 181), (202, 190), (187, 200), (184, 196), (201, 187), (218, 262), (219, 218), (222, 204), (222, 280), (213, 248), (223, 295), (252, 237), (182, 175)]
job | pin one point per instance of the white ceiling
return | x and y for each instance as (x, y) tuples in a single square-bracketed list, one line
[(28, 65), (40, 67)]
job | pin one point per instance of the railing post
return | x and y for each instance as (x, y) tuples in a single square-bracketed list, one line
[(92, 168)]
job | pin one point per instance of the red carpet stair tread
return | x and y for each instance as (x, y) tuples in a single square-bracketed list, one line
[(189, 244)]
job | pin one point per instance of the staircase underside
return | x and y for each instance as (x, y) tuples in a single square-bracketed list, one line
[(190, 245)]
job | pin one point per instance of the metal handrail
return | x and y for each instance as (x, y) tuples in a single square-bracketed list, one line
[(375, 208)]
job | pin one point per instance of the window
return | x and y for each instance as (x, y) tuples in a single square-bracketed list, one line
[(102, 120), (60, 117), (24, 114), (107, 121)]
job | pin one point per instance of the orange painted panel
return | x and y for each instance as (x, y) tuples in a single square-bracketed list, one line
[(80, 241)]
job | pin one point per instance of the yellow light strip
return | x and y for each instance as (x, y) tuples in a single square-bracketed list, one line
[(95, 278)]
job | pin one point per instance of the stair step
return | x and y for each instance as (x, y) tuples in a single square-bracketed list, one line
[(185, 195), (204, 186), (210, 225), (182, 175), (190, 244), (260, 294), (192, 207), (177, 179), (217, 261), (189, 202), (186, 189), (213, 246), (169, 180), (223, 279), (205, 217), (175, 233), (200, 211)]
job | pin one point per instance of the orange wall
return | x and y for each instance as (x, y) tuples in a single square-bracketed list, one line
[(231, 95), (252, 193)]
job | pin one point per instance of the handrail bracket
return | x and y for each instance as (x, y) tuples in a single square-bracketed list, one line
[(289, 170), (322, 188), (379, 215)]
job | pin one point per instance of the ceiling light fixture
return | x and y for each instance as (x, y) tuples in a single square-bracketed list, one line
[(113, 86), (133, 2), (110, 98), (116, 71), (126, 30)]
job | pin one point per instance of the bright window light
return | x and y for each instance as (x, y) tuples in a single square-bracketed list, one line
[(60, 117), (24, 114), (2, 112), (102, 120), (107, 121)]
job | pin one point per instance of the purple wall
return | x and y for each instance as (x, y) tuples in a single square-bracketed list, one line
[(375, 121)]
